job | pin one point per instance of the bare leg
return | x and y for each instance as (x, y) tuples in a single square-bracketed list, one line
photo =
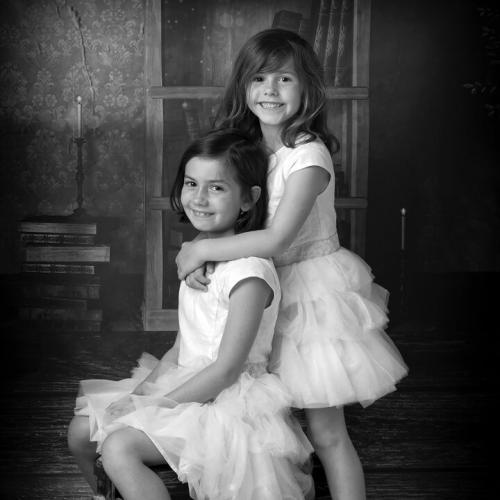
[(126, 455), (336, 452), (82, 448)]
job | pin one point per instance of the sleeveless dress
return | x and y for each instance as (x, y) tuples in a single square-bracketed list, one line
[(330, 347), (244, 444)]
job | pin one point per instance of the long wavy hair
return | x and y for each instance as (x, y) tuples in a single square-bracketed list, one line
[(267, 51)]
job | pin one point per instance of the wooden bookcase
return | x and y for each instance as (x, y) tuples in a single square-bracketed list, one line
[(190, 46)]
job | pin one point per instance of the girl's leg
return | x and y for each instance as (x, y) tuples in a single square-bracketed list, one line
[(328, 434), (126, 455), (82, 448)]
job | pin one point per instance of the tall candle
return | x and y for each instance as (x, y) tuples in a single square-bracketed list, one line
[(78, 116), (403, 229)]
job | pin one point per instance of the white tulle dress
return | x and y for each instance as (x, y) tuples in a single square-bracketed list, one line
[(330, 347), (243, 445)]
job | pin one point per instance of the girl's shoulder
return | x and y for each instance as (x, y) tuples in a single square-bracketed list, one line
[(303, 155), (234, 271)]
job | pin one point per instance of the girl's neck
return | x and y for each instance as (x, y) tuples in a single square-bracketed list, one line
[(271, 137)]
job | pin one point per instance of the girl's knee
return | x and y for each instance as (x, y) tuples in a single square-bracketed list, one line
[(327, 432), (117, 448), (79, 434)]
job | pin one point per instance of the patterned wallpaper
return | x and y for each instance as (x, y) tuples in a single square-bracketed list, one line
[(50, 52)]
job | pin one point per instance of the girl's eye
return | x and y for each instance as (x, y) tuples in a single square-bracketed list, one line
[(189, 183), (286, 79), (257, 78), (216, 188)]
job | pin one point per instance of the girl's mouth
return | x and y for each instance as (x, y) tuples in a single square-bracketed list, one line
[(197, 213), (270, 105)]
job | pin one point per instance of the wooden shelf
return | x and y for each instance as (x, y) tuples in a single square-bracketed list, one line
[(163, 203), (195, 92), (197, 72)]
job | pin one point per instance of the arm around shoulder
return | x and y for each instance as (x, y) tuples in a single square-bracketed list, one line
[(302, 189)]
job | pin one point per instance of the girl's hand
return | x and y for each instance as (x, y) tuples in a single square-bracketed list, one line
[(199, 279), (188, 259), (140, 389), (121, 407)]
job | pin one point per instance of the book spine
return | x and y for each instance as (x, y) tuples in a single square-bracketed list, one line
[(64, 325), (56, 239), (73, 291), (332, 40), (319, 24), (55, 303), (56, 268), (64, 253), (344, 54), (287, 20), (57, 227), (56, 313), (192, 120)]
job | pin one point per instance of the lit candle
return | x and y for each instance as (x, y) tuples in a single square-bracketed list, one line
[(78, 116), (403, 216)]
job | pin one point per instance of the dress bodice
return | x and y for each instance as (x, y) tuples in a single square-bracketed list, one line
[(203, 315), (318, 234)]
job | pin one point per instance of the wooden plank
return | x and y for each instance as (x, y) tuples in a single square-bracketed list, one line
[(45, 487), (425, 430), (423, 485), (380, 485), (196, 92), (69, 486), (163, 203), (56, 361), (153, 159)]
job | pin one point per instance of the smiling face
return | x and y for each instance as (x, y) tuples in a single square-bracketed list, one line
[(211, 197), (274, 97)]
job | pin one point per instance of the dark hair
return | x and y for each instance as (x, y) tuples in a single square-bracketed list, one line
[(247, 162), (267, 51)]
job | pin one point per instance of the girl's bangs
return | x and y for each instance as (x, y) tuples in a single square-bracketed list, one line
[(275, 60)]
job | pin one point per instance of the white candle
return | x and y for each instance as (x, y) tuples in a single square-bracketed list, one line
[(403, 216), (78, 116)]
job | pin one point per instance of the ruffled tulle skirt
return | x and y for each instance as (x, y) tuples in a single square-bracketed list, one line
[(244, 445), (330, 347)]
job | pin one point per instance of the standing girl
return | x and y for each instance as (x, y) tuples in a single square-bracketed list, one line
[(209, 408), (330, 347)]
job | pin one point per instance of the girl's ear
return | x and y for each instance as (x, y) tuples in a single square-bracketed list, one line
[(255, 192)]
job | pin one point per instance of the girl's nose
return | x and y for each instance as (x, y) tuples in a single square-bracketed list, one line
[(200, 196), (270, 87)]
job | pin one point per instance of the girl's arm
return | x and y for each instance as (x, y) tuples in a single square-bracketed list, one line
[(301, 190), (247, 302), (170, 356), (126, 404)]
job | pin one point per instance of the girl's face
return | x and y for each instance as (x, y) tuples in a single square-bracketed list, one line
[(211, 197), (274, 97)]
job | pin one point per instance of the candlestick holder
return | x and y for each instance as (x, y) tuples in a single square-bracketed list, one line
[(403, 300), (79, 211)]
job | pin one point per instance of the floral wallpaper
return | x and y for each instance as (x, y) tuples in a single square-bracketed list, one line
[(50, 52)]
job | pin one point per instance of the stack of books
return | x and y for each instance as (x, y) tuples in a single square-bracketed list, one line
[(62, 271)]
